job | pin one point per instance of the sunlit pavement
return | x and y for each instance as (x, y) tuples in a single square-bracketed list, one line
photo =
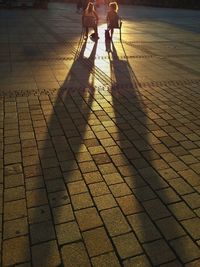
[(100, 143)]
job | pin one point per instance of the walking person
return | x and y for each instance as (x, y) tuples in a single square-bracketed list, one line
[(112, 17), (90, 20)]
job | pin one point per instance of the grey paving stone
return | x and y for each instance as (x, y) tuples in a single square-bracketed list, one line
[(43, 231), (97, 248), (159, 252), (192, 227), (186, 249), (170, 228), (88, 218), (74, 255), (63, 214), (143, 227), (15, 228), (156, 209), (181, 211), (77, 187), (109, 259), (13, 247), (137, 261), (129, 204), (105, 202), (39, 214), (15, 209), (46, 254), (68, 233), (127, 245), (115, 221)]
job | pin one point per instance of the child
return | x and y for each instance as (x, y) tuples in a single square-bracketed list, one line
[(112, 17), (90, 20)]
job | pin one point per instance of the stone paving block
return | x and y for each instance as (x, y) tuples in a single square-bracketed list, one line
[(52, 173), (92, 177), (14, 247), (14, 193), (181, 186), (192, 227), (88, 218), (96, 150), (74, 255), (175, 263), (15, 228), (96, 248), (170, 228), (144, 193), (40, 232), (105, 202), (72, 176), (156, 209), (85, 156), (129, 205), (46, 254), (193, 200), (194, 263), (138, 261), (68, 165), (109, 259), (168, 174), (12, 148), (113, 178), (186, 249), (34, 183), (77, 187), (159, 252), (81, 201), (181, 211), (14, 180), (143, 227), (168, 195), (55, 185), (101, 158), (88, 166), (119, 190), (115, 221), (11, 158), (63, 214), (26, 264), (68, 233), (107, 168), (99, 189), (39, 214), (15, 209), (32, 171), (191, 177), (36, 197), (59, 198), (127, 245)]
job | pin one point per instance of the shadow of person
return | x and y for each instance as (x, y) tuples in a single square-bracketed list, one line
[(146, 204), (66, 114)]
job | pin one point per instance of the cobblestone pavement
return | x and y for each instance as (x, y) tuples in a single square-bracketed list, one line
[(100, 150)]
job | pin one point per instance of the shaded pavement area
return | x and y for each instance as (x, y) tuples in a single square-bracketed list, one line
[(100, 143)]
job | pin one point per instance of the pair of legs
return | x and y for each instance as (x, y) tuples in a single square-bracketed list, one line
[(87, 30), (111, 32)]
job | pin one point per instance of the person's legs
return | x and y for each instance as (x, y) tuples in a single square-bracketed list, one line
[(96, 31), (111, 30), (86, 32)]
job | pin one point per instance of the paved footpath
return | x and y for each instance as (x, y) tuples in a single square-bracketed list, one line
[(100, 144)]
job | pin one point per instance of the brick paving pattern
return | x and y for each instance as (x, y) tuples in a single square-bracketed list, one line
[(100, 150)]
